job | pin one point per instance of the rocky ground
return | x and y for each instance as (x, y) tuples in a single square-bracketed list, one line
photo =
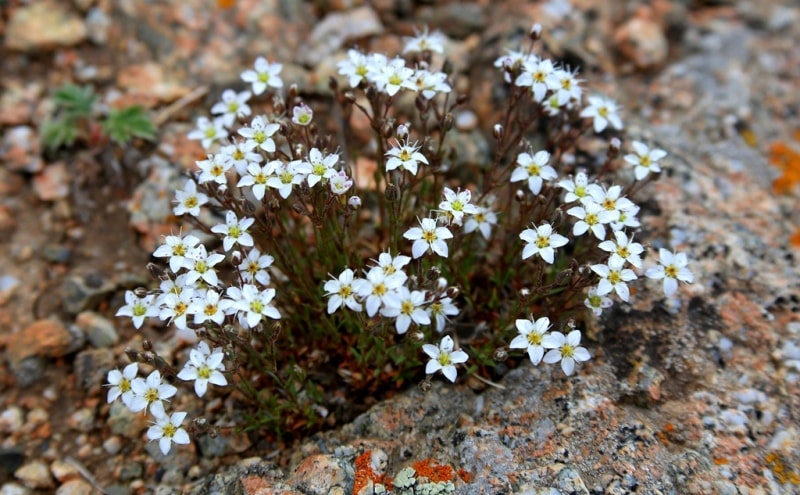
[(699, 397)]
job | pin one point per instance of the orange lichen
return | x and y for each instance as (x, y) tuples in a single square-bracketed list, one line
[(795, 239), (226, 4), (721, 461), (464, 475), (786, 158), (784, 474), (435, 472), (365, 474)]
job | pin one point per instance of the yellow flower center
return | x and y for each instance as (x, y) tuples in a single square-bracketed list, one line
[(542, 242), (671, 271), (534, 338)]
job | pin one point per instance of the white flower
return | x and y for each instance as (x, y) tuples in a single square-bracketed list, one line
[(202, 266), (234, 231), (624, 248), (167, 430), (534, 169), (569, 88), (242, 155), (444, 358), (430, 83), (340, 183), (175, 307), (302, 115), (254, 267), (288, 175), (440, 310), (341, 292), (322, 166), (591, 216), (672, 268), (540, 76), (531, 333), (257, 176), (393, 266), (609, 199), (265, 75), (425, 41), (189, 200), (150, 392), (405, 155), (138, 308), (456, 205), (428, 237), (213, 169), (120, 383), (627, 218), (357, 67), (644, 159), (208, 131), (393, 76), (204, 367), (482, 221), (566, 349), (208, 307), (542, 241), (406, 307), (576, 188), (375, 288), (260, 132), (596, 302), (252, 304), (233, 105), (176, 248), (614, 278), (604, 111)]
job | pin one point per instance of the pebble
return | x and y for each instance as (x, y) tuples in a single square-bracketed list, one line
[(322, 474), (457, 20), (151, 83), (53, 182), (92, 366), (123, 422), (63, 471), (14, 489), (336, 29), (21, 151), (99, 330), (81, 420), (84, 292), (42, 26), (642, 41), (43, 338), (75, 487), (35, 475), (97, 25), (112, 445), (466, 120), (12, 419)]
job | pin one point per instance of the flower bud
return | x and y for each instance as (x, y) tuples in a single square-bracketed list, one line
[(535, 32), (402, 132), (447, 122), (418, 336), (392, 192), (147, 345), (524, 292), (441, 284), (371, 92), (519, 195), (274, 204), (236, 257), (155, 271), (497, 131), (350, 96), (354, 202), (293, 92), (387, 129), (432, 273), (132, 354), (453, 292), (613, 148), (500, 354), (140, 292)]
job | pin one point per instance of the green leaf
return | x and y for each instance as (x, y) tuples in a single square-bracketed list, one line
[(58, 133), (75, 101), (129, 122)]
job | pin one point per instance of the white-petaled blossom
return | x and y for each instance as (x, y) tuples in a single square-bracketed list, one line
[(393, 76), (150, 391), (392, 266), (252, 304), (260, 132), (253, 267), (533, 169), (375, 288), (242, 155), (406, 307), (540, 76), (591, 216), (322, 166), (208, 307), (531, 333), (188, 200), (444, 358), (167, 430), (456, 204), (175, 307), (644, 159), (302, 115), (569, 88), (440, 310), (624, 248), (263, 75), (575, 187), (209, 131), (204, 367), (512, 62), (425, 41), (120, 383), (482, 221), (257, 176), (627, 219), (234, 231), (213, 168), (609, 199), (604, 111), (405, 155), (176, 248), (596, 302), (613, 277), (232, 105), (340, 183), (201, 266), (428, 236), (430, 83), (358, 66), (565, 348), (543, 241), (672, 268), (341, 292), (287, 175), (138, 308)]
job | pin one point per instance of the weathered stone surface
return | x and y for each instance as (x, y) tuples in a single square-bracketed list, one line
[(42, 26)]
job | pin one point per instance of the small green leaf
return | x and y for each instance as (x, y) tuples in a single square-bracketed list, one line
[(129, 122), (75, 101), (58, 133)]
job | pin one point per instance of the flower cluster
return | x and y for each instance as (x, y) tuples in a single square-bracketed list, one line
[(425, 263)]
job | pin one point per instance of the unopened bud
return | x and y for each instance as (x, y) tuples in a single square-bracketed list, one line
[(417, 336), (402, 132), (392, 192), (274, 204), (453, 292), (497, 131), (354, 202), (155, 271), (147, 345), (279, 105), (563, 277), (371, 92), (500, 354), (293, 92), (524, 292), (448, 121), (236, 257), (132, 354), (536, 32), (613, 148), (519, 195), (570, 325), (387, 130), (433, 273), (422, 103), (140, 292), (350, 96), (441, 284), (556, 217)]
